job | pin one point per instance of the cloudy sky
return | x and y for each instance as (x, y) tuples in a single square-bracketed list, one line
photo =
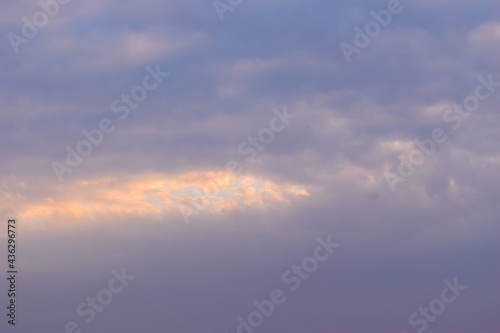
[(178, 162)]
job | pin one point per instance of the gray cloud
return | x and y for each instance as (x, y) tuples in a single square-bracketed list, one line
[(353, 120)]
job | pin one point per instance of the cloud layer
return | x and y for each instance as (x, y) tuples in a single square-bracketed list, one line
[(324, 173)]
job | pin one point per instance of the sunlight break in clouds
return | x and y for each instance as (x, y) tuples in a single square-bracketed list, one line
[(151, 195)]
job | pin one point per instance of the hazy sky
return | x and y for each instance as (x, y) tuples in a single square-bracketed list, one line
[(204, 147)]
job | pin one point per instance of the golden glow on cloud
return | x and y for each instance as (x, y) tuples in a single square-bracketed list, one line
[(151, 195)]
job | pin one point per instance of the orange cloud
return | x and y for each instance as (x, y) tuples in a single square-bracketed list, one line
[(148, 194)]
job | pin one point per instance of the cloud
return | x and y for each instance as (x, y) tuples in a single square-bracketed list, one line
[(146, 195), (122, 205)]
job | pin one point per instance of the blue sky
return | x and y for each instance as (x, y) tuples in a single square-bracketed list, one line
[(212, 181)]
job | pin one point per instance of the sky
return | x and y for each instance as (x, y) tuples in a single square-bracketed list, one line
[(251, 166)]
